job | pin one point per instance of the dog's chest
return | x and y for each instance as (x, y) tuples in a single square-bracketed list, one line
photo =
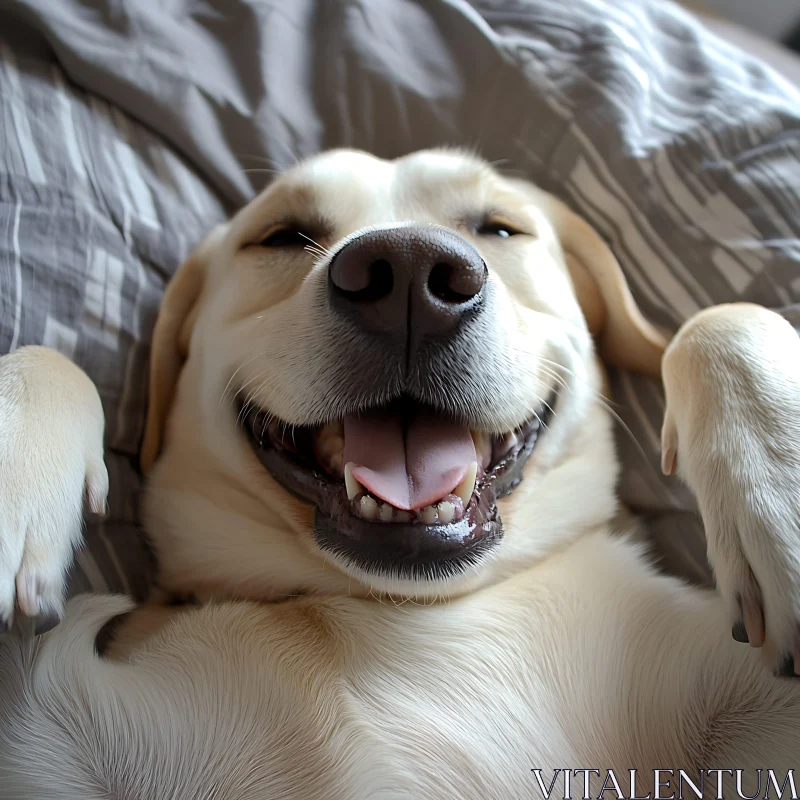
[(463, 700)]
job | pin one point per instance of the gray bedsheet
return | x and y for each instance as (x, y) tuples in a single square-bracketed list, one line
[(130, 126)]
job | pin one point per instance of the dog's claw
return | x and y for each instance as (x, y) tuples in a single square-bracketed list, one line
[(753, 622), (739, 632), (46, 622), (787, 668)]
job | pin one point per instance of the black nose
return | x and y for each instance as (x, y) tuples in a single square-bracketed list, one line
[(410, 282)]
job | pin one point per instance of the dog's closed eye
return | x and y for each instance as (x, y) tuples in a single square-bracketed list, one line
[(497, 225), (497, 229), (286, 237)]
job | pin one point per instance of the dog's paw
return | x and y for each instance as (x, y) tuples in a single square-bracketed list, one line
[(732, 431), (754, 548), (51, 460)]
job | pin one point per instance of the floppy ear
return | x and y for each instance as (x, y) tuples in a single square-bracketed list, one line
[(170, 346), (624, 337)]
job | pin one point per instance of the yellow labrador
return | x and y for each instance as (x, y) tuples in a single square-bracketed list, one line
[(379, 459)]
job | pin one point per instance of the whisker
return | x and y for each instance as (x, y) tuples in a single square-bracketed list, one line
[(316, 244), (230, 381), (549, 367), (250, 380), (314, 251)]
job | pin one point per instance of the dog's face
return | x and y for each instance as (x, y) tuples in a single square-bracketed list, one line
[(379, 353)]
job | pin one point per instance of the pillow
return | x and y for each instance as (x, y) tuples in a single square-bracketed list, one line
[(156, 118), (96, 212)]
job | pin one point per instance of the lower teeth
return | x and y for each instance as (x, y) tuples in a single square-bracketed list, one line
[(366, 507)]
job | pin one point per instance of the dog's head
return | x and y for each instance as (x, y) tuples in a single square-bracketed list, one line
[(381, 375)]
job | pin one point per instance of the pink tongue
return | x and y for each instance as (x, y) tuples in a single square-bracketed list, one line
[(412, 468)]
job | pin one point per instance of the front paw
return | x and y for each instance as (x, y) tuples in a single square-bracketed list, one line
[(51, 460), (754, 552), (732, 431)]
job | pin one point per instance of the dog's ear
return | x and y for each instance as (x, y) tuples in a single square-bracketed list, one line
[(625, 339), (171, 337)]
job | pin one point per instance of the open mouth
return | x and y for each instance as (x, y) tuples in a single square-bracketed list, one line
[(400, 490)]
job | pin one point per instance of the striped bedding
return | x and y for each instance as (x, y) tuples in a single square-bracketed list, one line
[(130, 126)]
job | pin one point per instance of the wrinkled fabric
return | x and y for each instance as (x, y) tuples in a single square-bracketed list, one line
[(131, 126)]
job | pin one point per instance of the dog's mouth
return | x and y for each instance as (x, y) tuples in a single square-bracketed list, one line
[(402, 489)]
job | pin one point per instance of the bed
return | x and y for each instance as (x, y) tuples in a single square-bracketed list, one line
[(131, 126)]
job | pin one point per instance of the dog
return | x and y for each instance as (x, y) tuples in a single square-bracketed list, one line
[(381, 467)]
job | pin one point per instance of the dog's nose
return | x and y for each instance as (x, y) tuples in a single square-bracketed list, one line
[(410, 282)]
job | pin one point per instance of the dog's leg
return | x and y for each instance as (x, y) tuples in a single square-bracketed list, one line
[(51, 458), (732, 431)]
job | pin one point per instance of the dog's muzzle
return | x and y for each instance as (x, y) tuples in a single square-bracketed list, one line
[(402, 485)]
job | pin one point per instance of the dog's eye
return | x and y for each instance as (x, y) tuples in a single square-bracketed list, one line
[(496, 229), (286, 237)]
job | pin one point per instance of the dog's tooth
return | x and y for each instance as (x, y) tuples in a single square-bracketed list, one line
[(331, 437), (332, 447), (328, 444), (351, 484), (335, 464), (478, 438), (385, 513), (483, 447), (505, 445), (446, 512), (403, 516), (465, 489), (334, 429), (332, 440), (457, 503), (368, 508), (429, 515)]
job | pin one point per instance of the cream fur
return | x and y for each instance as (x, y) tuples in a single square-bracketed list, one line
[(565, 649)]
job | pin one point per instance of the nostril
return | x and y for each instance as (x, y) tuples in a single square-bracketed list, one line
[(454, 283), (366, 284), (381, 281)]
